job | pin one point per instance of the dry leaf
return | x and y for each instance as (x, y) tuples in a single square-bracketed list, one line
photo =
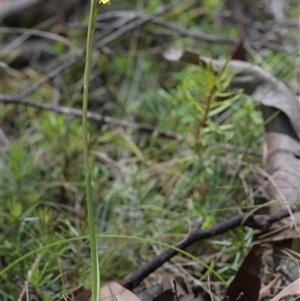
[(113, 291), (292, 290), (150, 293), (246, 284), (167, 295), (79, 294), (238, 52), (277, 232), (265, 291)]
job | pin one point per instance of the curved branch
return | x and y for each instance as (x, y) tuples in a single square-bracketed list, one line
[(96, 117), (196, 235)]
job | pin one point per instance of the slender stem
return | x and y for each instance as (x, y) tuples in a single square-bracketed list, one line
[(203, 122), (90, 209)]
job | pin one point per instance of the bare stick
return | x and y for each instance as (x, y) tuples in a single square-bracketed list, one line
[(134, 24), (173, 29), (196, 235), (143, 127), (54, 72), (102, 42), (34, 32)]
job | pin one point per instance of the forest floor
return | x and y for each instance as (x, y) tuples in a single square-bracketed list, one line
[(193, 113)]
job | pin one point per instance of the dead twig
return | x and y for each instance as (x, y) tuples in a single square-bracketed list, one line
[(33, 32), (30, 274), (196, 235), (143, 127), (173, 29), (98, 44), (59, 68)]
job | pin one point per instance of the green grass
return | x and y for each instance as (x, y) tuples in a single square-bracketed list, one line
[(144, 185)]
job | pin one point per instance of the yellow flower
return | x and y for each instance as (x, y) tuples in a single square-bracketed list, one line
[(103, 1)]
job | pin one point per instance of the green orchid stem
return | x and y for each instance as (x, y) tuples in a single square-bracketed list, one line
[(90, 208)]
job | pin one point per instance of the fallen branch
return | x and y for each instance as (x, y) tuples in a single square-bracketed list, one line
[(72, 58), (173, 29), (58, 69), (195, 235), (96, 117), (33, 32)]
